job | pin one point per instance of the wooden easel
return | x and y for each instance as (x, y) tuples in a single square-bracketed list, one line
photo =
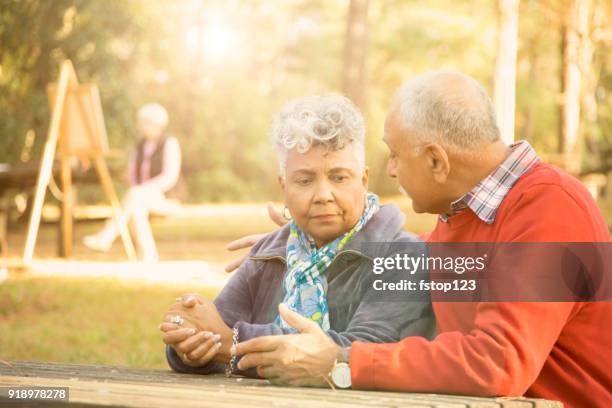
[(77, 124)]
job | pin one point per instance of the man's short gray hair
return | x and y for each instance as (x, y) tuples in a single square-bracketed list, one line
[(330, 120), (447, 107)]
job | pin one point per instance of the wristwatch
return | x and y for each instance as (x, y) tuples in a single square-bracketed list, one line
[(340, 374)]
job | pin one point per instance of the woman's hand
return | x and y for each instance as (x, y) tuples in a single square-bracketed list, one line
[(195, 349), (202, 315)]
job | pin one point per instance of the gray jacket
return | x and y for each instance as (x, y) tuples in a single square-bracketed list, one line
[(357, 312)]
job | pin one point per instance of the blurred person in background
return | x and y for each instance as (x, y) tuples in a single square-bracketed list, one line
[(153, 170)]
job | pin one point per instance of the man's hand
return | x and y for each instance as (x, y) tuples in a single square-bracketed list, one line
[(244, 242), (303, 359), (250, 240)]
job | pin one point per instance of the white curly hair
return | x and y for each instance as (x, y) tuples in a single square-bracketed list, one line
[(154, 113), (329, 120)]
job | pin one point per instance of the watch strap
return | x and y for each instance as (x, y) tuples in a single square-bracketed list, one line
[(344, 355)]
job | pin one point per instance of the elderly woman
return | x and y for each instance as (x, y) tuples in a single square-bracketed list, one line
[(317, 264)]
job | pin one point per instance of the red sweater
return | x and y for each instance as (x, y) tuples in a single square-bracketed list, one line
[(558, 351)]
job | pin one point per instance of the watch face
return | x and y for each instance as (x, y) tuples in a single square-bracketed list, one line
[(341, 375)]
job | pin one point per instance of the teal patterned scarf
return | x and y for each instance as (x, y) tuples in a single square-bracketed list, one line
[(305, 284)]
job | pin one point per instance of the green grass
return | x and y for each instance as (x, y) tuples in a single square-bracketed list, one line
[(95, 321)]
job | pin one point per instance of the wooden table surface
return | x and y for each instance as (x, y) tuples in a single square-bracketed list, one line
[(134, 387), (93, 385)]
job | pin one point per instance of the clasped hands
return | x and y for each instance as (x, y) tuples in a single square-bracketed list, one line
[(202, 337), (303, 359)]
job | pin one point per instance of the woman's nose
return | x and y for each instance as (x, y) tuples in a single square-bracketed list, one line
[(323, 192)]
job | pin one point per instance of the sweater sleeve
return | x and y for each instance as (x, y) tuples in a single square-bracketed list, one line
[(503, 349), (501, 355)]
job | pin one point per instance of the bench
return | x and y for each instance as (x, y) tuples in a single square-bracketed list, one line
[(95, 385)]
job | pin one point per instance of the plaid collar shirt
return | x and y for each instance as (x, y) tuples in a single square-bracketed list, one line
[(485, 198)]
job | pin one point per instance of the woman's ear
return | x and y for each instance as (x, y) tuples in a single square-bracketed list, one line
[(365, 177), (437, 161), (281, 183)]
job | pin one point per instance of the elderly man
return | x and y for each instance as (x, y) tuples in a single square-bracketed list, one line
[(448, 157)]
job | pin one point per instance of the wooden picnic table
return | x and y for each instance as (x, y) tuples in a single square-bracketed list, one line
[(95, 385), (23, 177)]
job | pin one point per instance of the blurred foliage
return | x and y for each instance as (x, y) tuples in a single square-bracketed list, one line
[(221, 101)]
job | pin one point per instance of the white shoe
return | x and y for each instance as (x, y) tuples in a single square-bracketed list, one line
[(97, 243)]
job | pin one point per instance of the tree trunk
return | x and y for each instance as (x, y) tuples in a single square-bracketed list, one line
[(576, 57), (504, 86), (356, 42), (527, 132)]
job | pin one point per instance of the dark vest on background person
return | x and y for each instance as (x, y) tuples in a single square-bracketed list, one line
[(156, 166), (157, 158)]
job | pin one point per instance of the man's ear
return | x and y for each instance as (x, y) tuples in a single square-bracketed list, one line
[(365, 177), (437, 161)]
